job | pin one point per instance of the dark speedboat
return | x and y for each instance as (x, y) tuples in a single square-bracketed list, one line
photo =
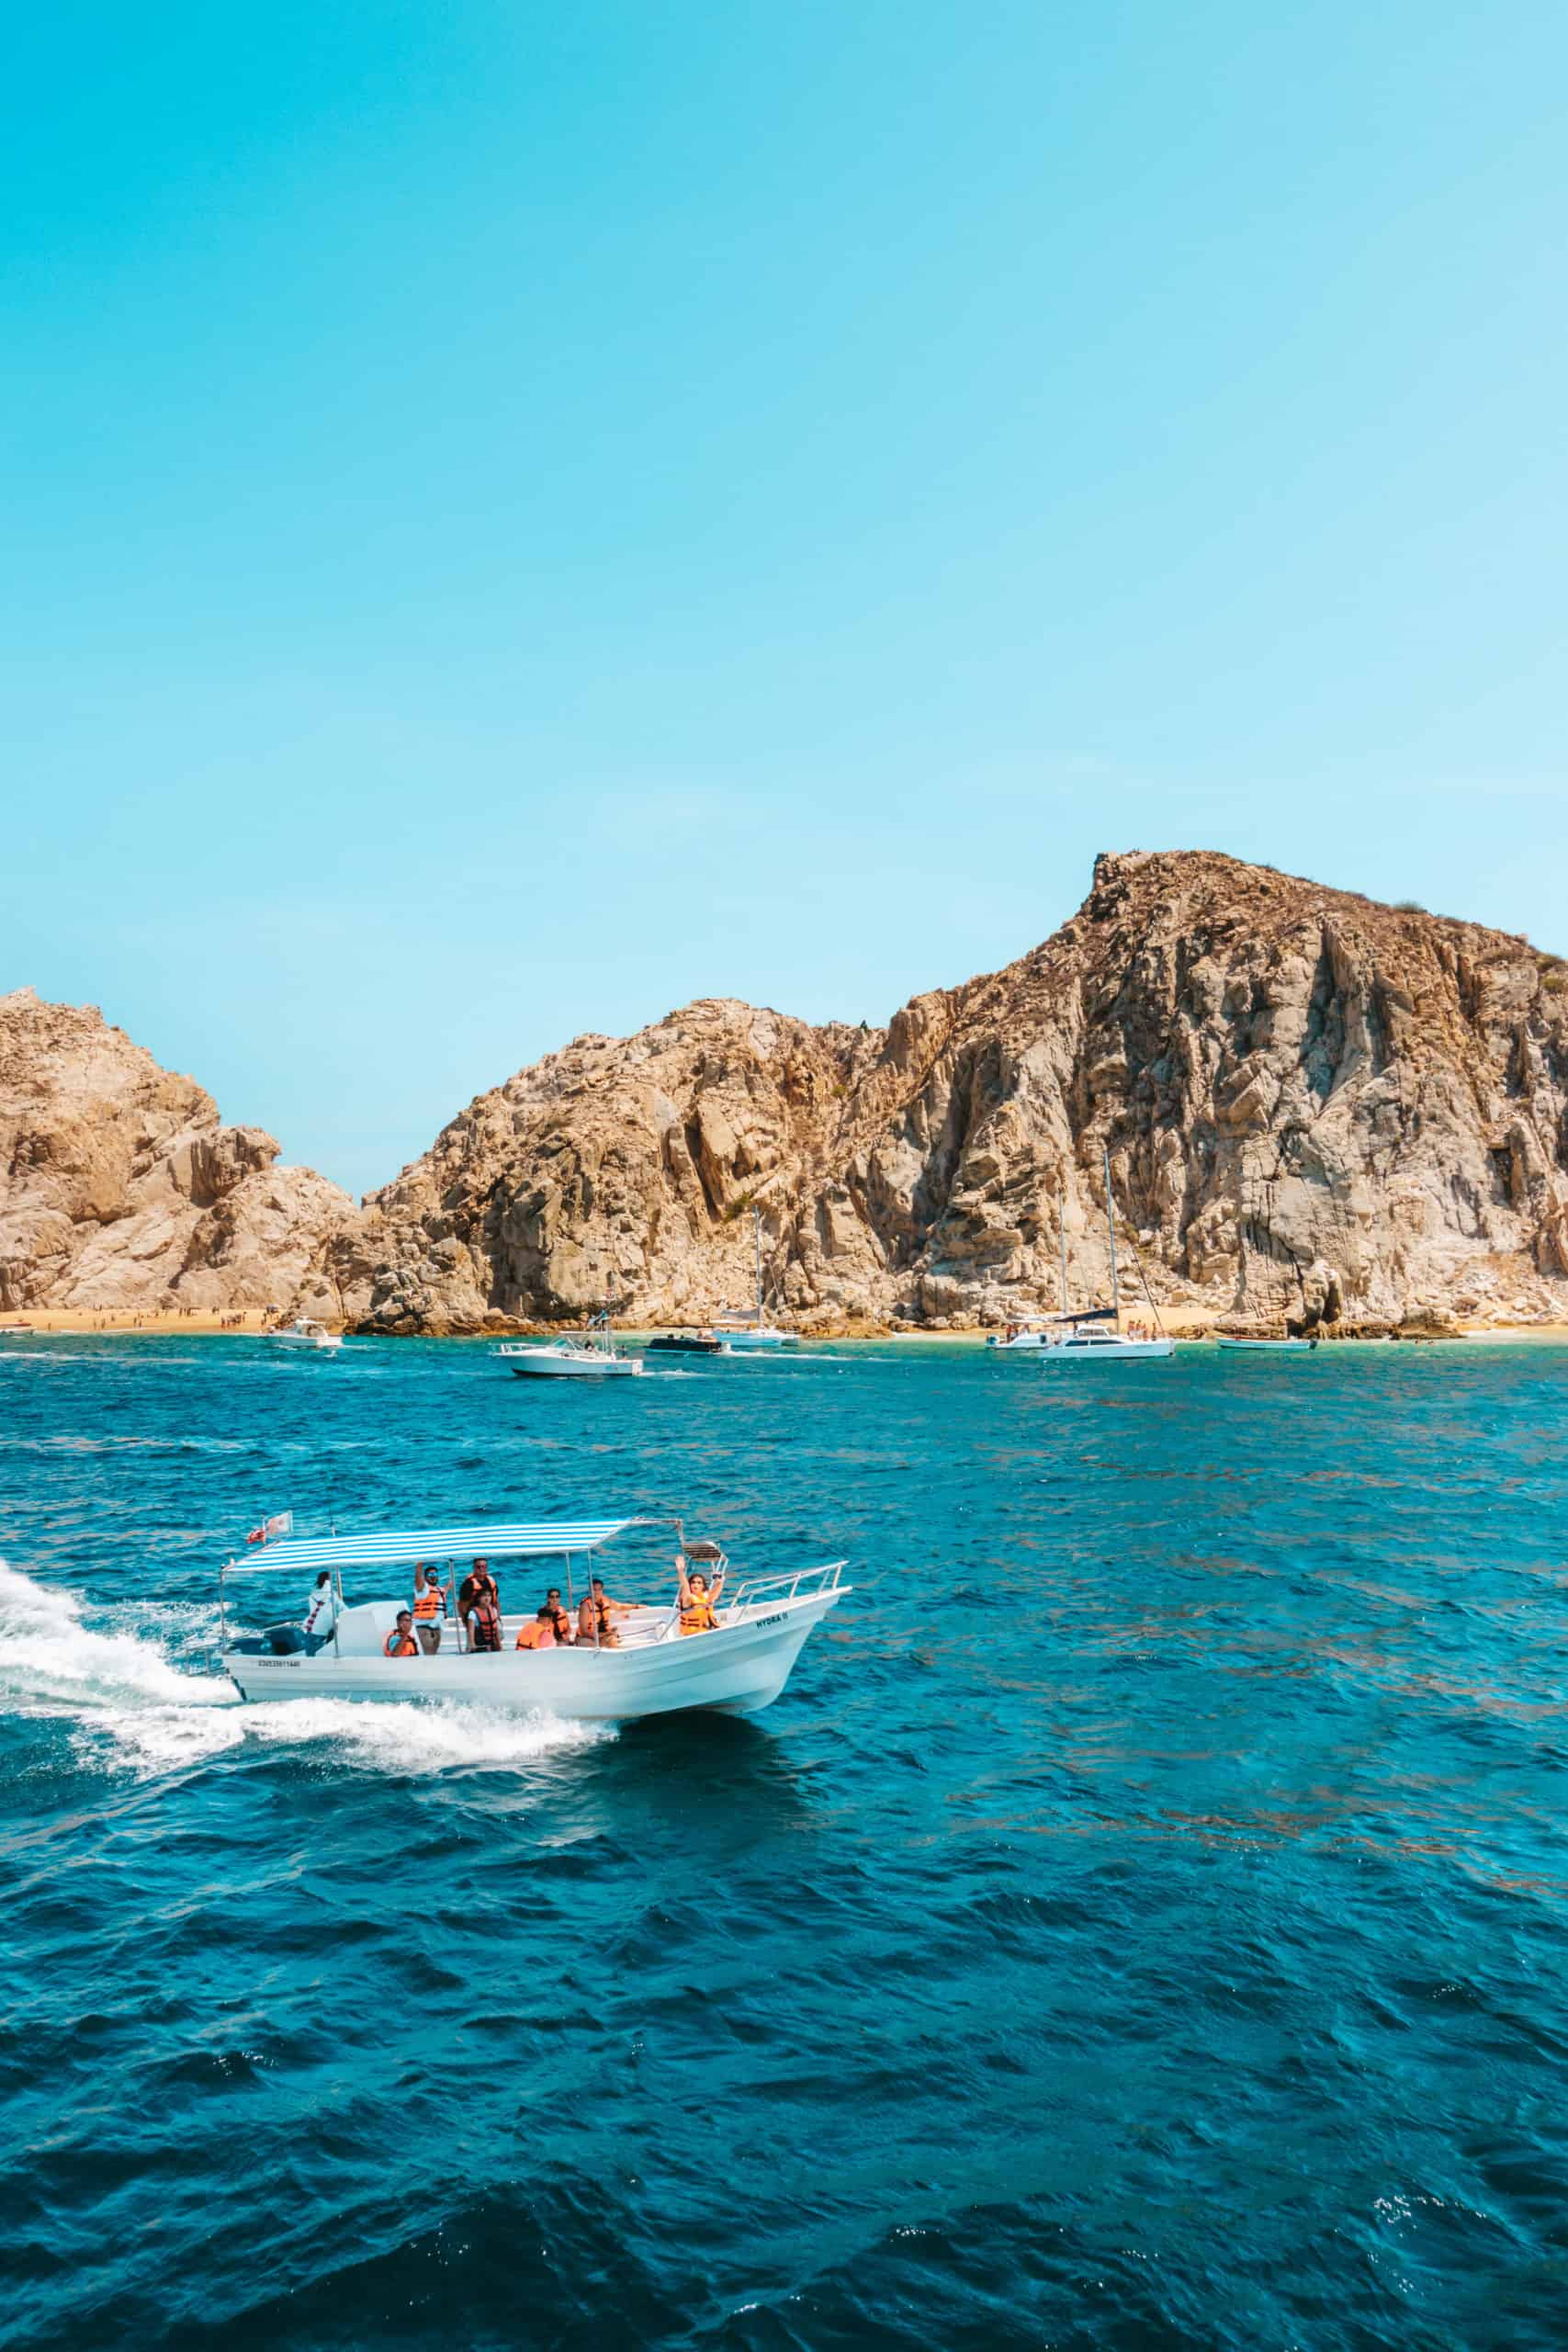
[(687, 1344)]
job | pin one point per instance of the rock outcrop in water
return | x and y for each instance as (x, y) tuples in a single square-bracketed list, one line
[(121, 1188), (1316, 1109)]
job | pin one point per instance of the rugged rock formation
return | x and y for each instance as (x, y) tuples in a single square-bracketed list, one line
[(1316, 1108), (119, 1186)]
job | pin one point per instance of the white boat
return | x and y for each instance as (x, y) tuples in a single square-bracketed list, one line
[(652, 1668), (1090, 1340), (305, 1332), (1021, 1338), (748, 1330), (1272, 1347), (1094, 1334), (590, 1355)]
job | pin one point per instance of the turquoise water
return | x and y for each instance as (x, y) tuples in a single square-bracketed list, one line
[(1141, 1923)]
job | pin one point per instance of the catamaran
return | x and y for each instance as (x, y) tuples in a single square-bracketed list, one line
[(652, 1667), (748, 1331), (1094, 1334), (590, 1355)]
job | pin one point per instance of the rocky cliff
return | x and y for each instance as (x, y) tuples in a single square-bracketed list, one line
[(120, 1187), (1314, 1108)]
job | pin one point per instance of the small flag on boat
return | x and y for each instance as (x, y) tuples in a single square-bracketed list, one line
[(281, 1523)]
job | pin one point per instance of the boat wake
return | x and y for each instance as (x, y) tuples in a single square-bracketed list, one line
[(128, 1703)]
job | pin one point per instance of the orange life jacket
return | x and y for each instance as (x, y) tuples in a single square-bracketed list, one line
[(427, 1601), (697, 1616), (537, 1635), (484, 1624), (401, 1644), (562, 1624)]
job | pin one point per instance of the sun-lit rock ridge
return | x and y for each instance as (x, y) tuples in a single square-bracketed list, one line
[(1314, 1106), (121, 1188)]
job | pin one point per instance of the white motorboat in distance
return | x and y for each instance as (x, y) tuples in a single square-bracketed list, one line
[(581, 1355), (651, 1668), (1022, 1338), (307, 1333), (1272, 1347)]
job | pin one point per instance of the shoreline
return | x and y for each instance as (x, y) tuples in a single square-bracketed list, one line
[(94, 1323)]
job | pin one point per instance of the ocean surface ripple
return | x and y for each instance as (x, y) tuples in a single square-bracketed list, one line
[(1140, 1924)]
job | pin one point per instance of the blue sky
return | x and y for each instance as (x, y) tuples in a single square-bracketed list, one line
[(518, 517)]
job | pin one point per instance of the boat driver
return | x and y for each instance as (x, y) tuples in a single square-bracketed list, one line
[(321, 1610)]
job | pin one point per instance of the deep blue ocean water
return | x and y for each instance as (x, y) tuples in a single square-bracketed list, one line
[(1141, 1923)]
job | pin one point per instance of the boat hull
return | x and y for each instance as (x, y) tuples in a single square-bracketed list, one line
[(1107, 1352), (546, 1366), (736, 1670)]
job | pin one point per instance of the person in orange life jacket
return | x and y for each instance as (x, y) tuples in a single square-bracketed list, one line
[(429, 1608), (478, 1606), (697, 1597), (596, 1615), (538, 1632), (400, 1642), (558, 1617)]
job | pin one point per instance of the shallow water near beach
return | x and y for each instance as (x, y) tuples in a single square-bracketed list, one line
[(1141, 1922)]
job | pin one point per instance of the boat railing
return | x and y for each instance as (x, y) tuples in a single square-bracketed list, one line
[(789, 1584)]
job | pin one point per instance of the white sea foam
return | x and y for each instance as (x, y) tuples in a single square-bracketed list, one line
[(394, 1737), (122, 1689)]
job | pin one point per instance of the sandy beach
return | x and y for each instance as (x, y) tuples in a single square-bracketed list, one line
[(1182, 1323)]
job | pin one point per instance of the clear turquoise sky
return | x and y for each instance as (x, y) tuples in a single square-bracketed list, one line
[(516, 517)]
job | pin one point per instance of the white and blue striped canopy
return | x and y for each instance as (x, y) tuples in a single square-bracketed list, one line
[(394, 1547)]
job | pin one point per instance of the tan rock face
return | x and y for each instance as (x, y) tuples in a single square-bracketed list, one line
[(120, 1187), (1315, 1107)]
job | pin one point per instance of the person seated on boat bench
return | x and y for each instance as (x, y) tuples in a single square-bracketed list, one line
[(696, 1598), (596, 1615), (483, 1615), (538, 1632), (478, 1606), (559, 1619), (429, 1608), (400, 1642)]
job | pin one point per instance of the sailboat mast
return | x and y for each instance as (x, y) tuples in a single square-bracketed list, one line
[(757, 1240), (1062, 1246), (1110, 1229)]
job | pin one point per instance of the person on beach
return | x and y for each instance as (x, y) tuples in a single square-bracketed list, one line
[(539, 1632), (596, 1615), (696, 1598), (429, 1608), (400, 1642), (321, 1610)]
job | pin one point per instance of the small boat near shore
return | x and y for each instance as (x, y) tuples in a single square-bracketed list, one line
[(1094, 1334), (687, 1344), (1267, 1347), (581, 1355), (306, 1334), (652, 1667)]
